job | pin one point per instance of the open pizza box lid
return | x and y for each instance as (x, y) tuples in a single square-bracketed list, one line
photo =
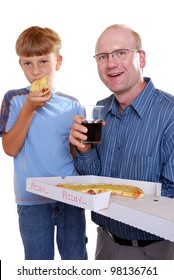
[(151, 214), (46, 186)]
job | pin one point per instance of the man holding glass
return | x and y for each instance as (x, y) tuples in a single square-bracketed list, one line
[(137, 141)]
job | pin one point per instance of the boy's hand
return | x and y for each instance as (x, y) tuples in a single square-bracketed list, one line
[(36, 100)]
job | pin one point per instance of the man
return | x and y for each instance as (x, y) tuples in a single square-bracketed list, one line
[(137, 140)]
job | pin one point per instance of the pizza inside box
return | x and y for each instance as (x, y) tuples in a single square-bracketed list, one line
[(152, 213)]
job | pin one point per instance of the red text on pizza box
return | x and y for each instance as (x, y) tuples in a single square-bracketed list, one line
[(47, 187)]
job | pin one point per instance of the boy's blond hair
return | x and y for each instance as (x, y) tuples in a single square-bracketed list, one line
[(38, 41)]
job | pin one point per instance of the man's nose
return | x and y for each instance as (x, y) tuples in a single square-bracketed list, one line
[(112, 59)]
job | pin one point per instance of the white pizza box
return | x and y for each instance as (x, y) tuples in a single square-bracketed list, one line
[(154, 214), (46, 186)]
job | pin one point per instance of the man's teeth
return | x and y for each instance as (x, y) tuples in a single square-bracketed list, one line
[(113, 75)]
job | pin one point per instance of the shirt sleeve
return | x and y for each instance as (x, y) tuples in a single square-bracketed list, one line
[(167, 175), (10, 108), (88, 163), (5, 112)]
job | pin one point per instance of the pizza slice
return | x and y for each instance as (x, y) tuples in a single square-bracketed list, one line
[(41, 85), (122, 190)]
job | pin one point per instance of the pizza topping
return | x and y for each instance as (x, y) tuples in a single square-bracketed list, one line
[(91, 192), (45, 90)]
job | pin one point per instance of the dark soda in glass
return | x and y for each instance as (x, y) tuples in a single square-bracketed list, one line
[(94, 130)]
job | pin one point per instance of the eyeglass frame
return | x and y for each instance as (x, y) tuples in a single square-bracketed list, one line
[(107, 54)]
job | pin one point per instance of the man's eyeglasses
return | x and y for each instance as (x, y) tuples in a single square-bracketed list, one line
[(118, 55)]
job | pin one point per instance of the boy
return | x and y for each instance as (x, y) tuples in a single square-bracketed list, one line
[(35, 131)]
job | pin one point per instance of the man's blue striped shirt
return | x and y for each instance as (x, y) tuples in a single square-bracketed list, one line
[(137, 144)]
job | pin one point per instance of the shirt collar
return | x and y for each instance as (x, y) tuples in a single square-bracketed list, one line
[(144, 98)]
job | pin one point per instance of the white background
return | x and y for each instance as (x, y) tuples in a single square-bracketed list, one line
[(79, 23)]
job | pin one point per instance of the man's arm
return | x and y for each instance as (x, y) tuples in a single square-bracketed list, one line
[(167, 174)]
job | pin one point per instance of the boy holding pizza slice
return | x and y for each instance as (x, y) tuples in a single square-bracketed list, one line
[(34, 126), (137, 141)]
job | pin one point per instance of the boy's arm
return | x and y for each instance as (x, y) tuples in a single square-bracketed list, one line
[(72, 150), (14, 139)]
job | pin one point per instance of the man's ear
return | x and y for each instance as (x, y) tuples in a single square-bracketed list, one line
[(142, 59), (59, 62)]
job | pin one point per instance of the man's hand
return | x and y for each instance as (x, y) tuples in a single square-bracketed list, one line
[(77, 135)]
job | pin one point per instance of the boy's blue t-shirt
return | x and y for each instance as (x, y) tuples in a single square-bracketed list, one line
[(45, 152)]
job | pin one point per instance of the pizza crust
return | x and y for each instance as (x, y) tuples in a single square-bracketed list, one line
[(122, 190)]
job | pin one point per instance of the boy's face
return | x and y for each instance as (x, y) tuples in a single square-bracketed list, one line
[(36, 67)]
